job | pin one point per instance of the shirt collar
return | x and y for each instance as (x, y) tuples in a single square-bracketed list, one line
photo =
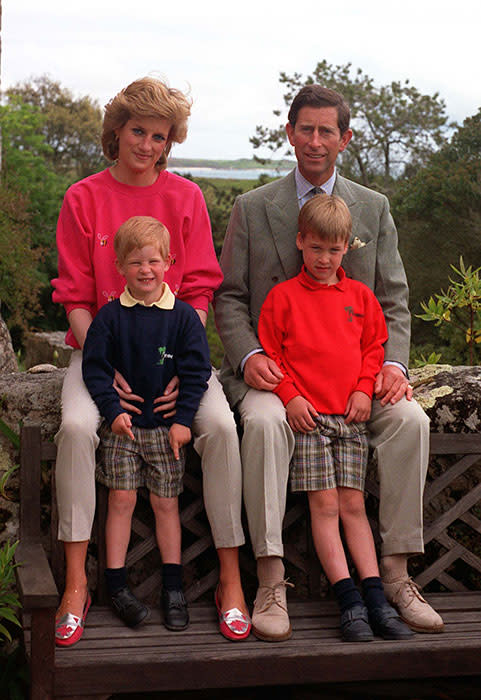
[(307, 281), (166, 300), (303, 186)]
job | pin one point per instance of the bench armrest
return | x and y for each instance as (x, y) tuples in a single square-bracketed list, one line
[(36, 585)]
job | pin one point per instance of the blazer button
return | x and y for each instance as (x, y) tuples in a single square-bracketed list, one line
[(275, 279)]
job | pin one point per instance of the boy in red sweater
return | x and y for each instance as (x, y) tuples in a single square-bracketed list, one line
[(326, 333)]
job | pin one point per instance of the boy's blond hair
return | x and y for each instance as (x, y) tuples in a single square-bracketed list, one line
[(139, 231), (326, 216)]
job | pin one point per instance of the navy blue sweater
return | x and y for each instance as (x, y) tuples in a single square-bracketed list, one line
[(148, 346)]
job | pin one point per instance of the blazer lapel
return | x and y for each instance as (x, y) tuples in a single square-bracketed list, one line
[(282, 213), (342, 189)]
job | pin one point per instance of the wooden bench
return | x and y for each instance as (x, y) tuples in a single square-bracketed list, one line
[(111, 658)]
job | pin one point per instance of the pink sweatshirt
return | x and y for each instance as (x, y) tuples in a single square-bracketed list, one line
[(93, 210)]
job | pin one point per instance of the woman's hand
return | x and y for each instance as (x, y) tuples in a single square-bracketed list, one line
[(166, 402), (125, 392)]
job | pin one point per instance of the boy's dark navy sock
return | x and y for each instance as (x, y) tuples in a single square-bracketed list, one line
[(347, 594), (172, 577), (115, 579), (373, 592)]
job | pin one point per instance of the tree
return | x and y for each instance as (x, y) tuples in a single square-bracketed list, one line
[(438, 212), (72, 126), (30, 198), (393, 125), (19, 279), (27, 169)]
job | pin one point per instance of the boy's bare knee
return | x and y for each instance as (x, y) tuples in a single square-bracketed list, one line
[(122, 501), (351, 503), (324, 504), (163, 505)]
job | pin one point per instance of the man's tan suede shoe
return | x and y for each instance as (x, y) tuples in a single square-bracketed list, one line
[(416, 612), (270, 620)]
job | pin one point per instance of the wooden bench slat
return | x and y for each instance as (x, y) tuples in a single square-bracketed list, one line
[(35, 582)]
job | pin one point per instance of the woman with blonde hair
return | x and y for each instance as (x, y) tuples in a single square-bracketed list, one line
[(140, 124)]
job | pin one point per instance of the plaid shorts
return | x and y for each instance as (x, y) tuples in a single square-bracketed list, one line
[(333, 454), (147, 461)]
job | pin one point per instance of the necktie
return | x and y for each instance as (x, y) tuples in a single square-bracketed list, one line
[(316, 190)]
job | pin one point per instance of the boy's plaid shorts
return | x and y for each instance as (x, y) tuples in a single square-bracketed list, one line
[(147, 461), (333, 454)]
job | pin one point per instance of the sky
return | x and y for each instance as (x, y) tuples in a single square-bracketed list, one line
[(229, 61)]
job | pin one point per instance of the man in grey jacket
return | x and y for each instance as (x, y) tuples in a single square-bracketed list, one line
[(259, 251)]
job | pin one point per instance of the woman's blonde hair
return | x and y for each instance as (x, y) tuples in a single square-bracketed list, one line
[(146, 97), (139, 231)]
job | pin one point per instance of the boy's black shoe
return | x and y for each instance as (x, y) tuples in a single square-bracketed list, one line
[(386, 623), (355, 625), (176, 615), (128, 608)]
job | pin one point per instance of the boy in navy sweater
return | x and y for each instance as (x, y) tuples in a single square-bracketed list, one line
[(148, 336)]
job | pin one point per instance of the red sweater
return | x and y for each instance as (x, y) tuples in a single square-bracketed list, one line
[(327, 339), (93, 210)]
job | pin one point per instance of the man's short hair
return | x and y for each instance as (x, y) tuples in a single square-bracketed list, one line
[(326, 216), (318, 96), (139, 231)]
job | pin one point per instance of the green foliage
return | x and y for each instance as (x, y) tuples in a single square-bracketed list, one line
[(30, 199), (71, 126), (458, 309), (393, 125), (8, 600), (432, 359), (219, 195), (14, 675), (215, 346), (438, 215), (19, 277), (26, 168), (10, 434)]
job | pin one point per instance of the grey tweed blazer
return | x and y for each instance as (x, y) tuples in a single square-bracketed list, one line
[(260, 251)]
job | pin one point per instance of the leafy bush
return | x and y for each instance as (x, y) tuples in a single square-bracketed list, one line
[(458, 310), (8, 600)]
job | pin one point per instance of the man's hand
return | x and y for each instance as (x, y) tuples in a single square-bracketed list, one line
[(179, 435), (358, 408), (300, 415), (260, 372), (125, 392), (122, 425), (166, 402), (391, 385)]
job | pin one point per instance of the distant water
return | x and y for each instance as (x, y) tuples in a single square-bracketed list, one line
[(229, 173)]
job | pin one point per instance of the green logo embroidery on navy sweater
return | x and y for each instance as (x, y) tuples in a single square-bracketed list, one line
[(351, 313), (163, 355)]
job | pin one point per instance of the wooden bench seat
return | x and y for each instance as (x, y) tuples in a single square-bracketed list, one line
[(111, 658)]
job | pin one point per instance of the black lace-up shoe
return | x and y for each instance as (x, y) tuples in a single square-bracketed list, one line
[(174, 606), (386, 623), (128, 608), (355, 625)]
